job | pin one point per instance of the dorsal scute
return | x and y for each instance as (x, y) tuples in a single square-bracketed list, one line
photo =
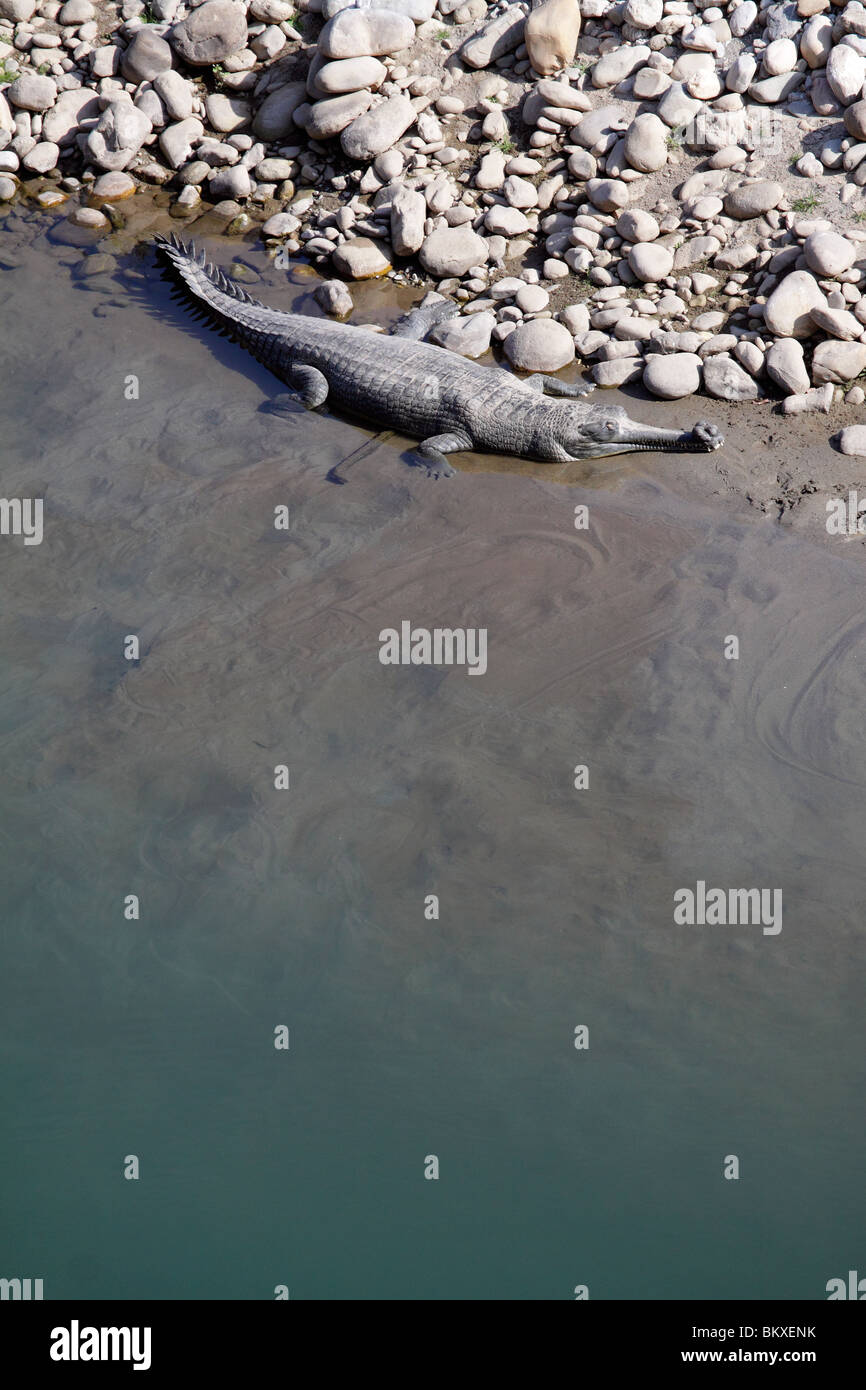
[(183, 258)]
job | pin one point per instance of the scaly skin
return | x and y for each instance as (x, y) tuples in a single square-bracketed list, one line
[(428, 393)]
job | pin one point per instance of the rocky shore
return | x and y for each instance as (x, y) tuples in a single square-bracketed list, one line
[(669, 192)]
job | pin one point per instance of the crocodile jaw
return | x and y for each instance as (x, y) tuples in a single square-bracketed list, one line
[(636, 438)]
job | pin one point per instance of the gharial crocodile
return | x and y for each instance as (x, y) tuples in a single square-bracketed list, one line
[(429, 393)]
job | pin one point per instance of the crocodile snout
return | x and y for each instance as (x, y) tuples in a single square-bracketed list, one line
[(708, 436)]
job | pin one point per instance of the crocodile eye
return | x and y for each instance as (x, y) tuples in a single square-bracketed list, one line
[(610, 426)]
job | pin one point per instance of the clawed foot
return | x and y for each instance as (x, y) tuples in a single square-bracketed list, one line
[(285, 406), (437, 470), (707, 436)]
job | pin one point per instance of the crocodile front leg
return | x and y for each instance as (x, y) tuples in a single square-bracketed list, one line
[(434, 449), (550, 386), (307, 387)]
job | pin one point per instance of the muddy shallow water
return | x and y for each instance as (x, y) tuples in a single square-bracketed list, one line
[(258, 908)]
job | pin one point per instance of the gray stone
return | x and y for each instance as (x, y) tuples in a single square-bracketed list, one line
[(226, 114), (532, 299), (76, 12), (542, 345), (498, 37), (597, 125), (555, 92), (364, 34), (742, 18), (233, 182), (855, 120), (787, 312), (281, 224), (361, 259), (816, 41), (582, 165), (32, 91), (725, 378), (781, 56), (635, 225), (408, 215), (643, 14), (491, 171), (273, 120), (274, 170), (741, 73), (42, 158), (113, 188), (828, 254), (676, 107), (469, 334), (852, 441), (786, 367), (771, 90), (673, 375), (838, 362), (617, 371), (350, 75), (61, 123), (735, 257), (839, 323), (419, 10), (610, 195), (518, 192), (210, 33), (331, 116), (645, 143), (119, 135), (90, 219), (753, 199), (782, 22), (176, 141), (845, 73), (620, 63), (333, 296), (175, 93), (502, 221), (379, 129), (271, 11), (751, 357), (147, 101), (145, 57), (452, 251), (650, 84), (650, 261)]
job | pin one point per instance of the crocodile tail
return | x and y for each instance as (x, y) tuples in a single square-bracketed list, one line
[(201, 281)]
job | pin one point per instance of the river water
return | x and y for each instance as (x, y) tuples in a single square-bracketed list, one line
[(409, 1037)]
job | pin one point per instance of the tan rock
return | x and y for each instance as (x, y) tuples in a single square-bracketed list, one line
[(551, 35)]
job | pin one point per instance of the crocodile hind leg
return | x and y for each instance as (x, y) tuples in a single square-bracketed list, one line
[(307, 387), (434, 449), (551, 386)]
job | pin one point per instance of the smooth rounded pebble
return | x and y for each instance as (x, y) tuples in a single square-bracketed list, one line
[(542, 345), (673, 375)]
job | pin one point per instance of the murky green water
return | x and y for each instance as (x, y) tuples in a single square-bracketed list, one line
[(409, 1037)]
